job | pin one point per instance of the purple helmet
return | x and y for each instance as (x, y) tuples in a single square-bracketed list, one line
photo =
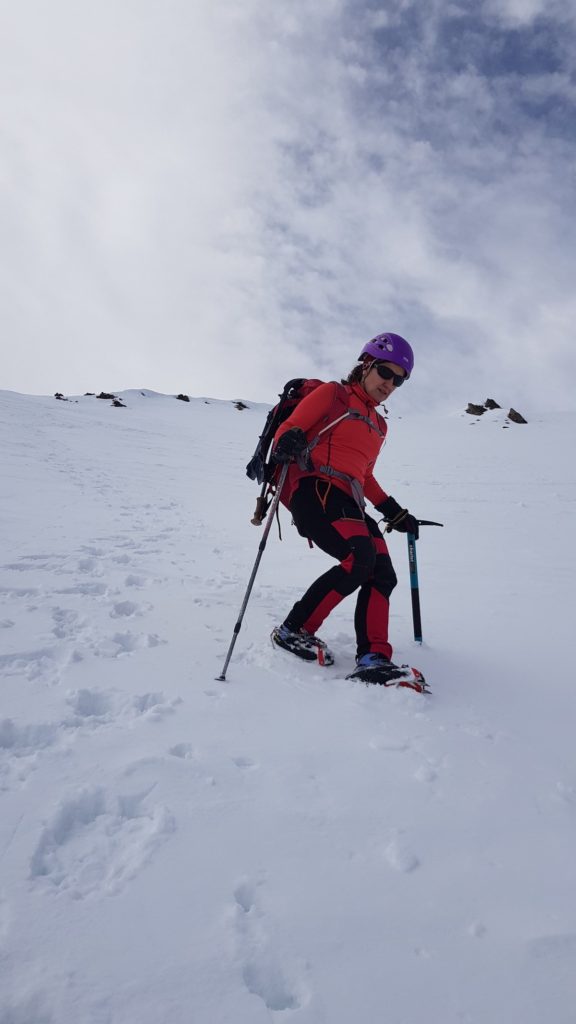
[(390, 348)]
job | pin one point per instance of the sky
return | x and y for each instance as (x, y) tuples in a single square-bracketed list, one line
[(213, 197)]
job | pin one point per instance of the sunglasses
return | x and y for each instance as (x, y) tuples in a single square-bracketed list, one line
[(387, 374)]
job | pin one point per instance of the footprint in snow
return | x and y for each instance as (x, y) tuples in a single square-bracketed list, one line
[(15, 593), (20, 749), (45, 664), (95, 843), (185, 751), (85, 590), (129, 609), (20, 740), (244, 763), (276, 983), (426, 772), (90, 704), (67, 624), (99, 707), (400, 856), (154, 705), (122, 559), (133, 580), (90, 566), (126, 542), (190, 754), (265, 978), (21, 745), (245, 896), (27, 563), (121, 644)]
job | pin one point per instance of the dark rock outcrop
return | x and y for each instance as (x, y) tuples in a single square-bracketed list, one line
[(182, 398), (491, 404), (62, 398), (516, 417), (475, 410)]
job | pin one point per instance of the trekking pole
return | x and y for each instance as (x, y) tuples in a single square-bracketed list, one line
[(222, 678), (414, 585)]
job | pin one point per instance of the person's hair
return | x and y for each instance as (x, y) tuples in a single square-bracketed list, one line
[(356, 374)]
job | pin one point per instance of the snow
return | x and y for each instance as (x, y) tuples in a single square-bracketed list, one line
[(285, 845)]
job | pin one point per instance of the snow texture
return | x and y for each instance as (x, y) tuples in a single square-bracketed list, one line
[(286, 845)]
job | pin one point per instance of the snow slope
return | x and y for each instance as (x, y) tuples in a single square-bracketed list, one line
[(286, 846)]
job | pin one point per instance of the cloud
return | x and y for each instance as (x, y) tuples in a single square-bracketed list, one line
[(429, 199), (516, 13), (214, 197)]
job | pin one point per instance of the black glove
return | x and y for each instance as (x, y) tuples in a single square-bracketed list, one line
[(289, 446), (398, 518)]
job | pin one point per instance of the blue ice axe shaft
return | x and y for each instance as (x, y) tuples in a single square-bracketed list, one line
[(414, 585), (414, 588)]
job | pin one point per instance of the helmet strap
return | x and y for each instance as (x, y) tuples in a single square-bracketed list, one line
[(368, 365)]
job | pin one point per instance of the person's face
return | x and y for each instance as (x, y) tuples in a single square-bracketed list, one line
[(379, 388)]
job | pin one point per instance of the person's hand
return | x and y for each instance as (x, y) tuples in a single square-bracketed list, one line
[(398, 518), (289, 446)]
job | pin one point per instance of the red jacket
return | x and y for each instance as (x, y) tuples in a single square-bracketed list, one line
[(351, 447)]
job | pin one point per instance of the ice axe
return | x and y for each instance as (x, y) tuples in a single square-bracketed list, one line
[(414, 585)]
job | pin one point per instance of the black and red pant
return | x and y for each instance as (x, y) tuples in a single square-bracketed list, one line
[(332, 520)]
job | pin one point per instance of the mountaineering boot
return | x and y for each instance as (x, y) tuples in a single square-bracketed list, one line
[(304, 645), (378, 669)]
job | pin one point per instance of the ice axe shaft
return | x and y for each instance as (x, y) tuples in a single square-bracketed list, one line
[(414, 588), (414, 584)]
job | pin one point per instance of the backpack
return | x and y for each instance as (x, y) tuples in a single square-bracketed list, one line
[(260, 468)]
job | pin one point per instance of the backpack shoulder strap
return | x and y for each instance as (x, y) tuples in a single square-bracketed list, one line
[(382, 423), (341, 394), (338, 411), (340, 402)]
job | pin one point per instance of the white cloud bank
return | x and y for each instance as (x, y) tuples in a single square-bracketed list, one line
[(214, 198)]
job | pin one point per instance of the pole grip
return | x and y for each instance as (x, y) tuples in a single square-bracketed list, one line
[(260, 510)]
